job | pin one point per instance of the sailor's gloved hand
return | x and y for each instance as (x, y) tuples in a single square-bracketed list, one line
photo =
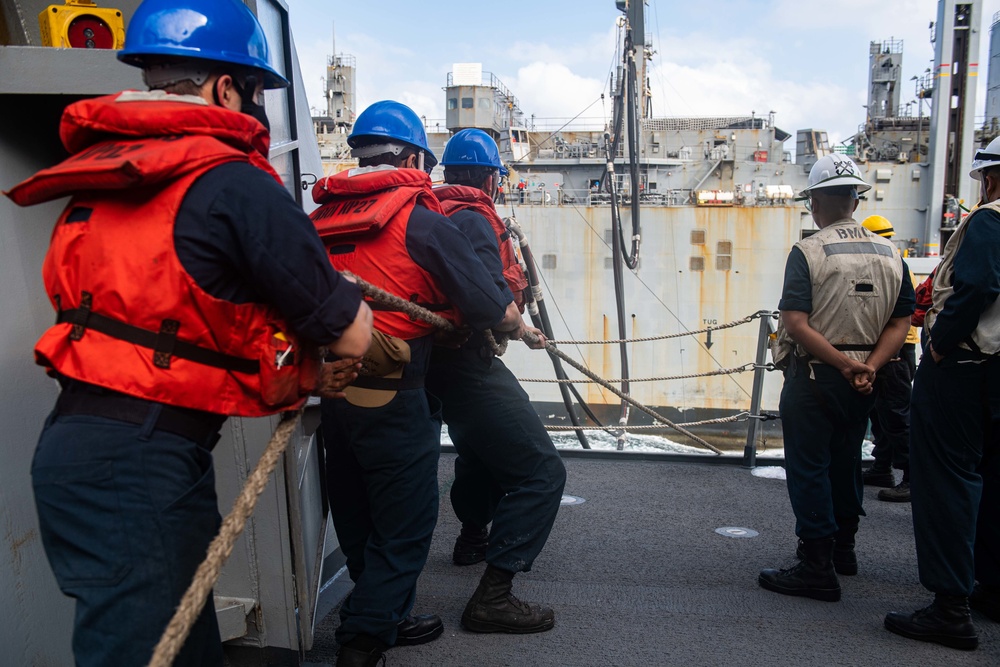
[(335, 376)]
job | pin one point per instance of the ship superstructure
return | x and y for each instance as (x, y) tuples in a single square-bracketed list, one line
[(716, 202), (717, 214)]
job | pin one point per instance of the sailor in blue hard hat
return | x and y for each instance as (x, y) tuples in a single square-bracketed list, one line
[(183, 233), (193, 40), (508, 472), (382, 442), (390, 128)]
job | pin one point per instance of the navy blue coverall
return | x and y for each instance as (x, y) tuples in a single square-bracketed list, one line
[(507, 472), (824, 422), (955, 437), (382, 462), (127, 511)]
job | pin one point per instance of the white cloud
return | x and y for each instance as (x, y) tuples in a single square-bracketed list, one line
[(550, 90), (733, 77)]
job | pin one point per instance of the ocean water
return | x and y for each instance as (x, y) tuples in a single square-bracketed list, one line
[(635, 442)]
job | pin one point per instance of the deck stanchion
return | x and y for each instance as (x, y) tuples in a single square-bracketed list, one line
[(753, 423)]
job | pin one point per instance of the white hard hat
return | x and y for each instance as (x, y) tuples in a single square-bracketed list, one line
[(834, 170), (984, 158)]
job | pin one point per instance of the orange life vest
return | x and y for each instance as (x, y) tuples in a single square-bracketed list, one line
[(456, 198), (362, 219), (131, 319)]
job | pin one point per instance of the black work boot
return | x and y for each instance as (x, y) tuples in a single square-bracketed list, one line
[(946, 621), (813, 577), (878, 476), (493, 608), (362, 651), (470, 547), (414, 630), (845, 561), (899, 493)]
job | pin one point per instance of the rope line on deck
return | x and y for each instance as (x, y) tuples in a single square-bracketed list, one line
[(222, 546), (727, 325), (419, 312)]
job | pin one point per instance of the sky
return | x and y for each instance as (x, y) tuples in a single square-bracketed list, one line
[(806, 60)]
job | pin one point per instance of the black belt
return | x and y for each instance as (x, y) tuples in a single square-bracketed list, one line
[(387, 384), (195, 425)]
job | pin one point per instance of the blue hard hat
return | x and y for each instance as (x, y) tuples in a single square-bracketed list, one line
[(223, 31), (472, 148), (388, 120)]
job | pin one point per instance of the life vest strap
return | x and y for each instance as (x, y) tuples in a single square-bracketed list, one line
[(164, 343), (433, 307)]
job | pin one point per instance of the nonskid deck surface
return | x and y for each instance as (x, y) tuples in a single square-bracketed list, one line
[(637, 575)]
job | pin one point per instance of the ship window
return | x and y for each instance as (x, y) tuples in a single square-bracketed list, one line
[(724, 255), (485, 103), (548, 261), (697, 264), (608, 237), (697, 236), (467, 102), (452, 103)]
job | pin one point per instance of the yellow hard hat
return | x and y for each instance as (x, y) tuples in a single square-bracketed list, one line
[(879, 225)]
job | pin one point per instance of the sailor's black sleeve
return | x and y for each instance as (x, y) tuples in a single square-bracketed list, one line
[(484, 241), (243, 238), (438, 247), (796, 293), (906, 301)]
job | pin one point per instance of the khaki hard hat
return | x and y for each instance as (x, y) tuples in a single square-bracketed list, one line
[(384, 360), (878, 225)]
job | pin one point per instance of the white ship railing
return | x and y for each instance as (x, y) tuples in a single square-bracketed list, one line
[(754, 416)]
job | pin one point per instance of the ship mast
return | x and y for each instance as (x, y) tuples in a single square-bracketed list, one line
[(952, 117), (630, 106)]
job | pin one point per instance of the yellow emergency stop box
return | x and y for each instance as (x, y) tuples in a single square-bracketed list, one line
[(81, 24)]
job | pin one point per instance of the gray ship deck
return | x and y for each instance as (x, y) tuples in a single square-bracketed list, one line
[(638, 576)]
